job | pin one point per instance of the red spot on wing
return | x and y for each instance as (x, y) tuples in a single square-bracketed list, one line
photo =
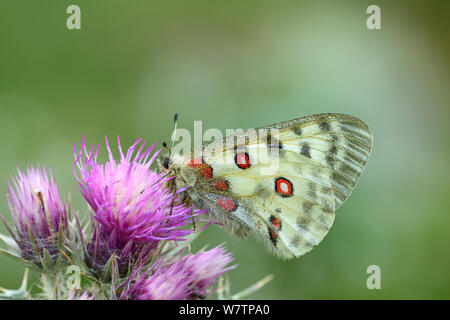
[(207, 172), (195, 163), (242, 160), (221, 185), (283, 186), (204, 169), (273, 236), (275, 222), (227, 203)]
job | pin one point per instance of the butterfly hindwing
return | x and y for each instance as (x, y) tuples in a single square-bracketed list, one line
[(290, 208)]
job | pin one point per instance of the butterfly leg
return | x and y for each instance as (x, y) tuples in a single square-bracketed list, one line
[(172, 187), (187, 201)]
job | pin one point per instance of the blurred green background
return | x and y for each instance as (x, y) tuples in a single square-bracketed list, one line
[(243, 64)]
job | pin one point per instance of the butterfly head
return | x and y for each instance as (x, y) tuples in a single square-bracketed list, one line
[(169, 161), (165, 162), (171, 165)]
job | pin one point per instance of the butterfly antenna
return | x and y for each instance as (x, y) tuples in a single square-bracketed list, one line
[(175, 123), (174, 135), (172, 138), (167, 147)]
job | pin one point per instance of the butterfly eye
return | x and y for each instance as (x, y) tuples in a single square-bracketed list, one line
[(166, 163)]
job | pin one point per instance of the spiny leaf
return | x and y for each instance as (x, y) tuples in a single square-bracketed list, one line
[(252, 289), (27, 263), (46, 260), (9, 229), (114, 279), (73, 257), (10, 242), (19, 294), (32, 240), (106, 276)]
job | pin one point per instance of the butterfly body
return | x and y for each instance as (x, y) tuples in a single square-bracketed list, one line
[(282, 184)]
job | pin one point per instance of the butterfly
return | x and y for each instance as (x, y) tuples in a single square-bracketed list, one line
[(283, 183)]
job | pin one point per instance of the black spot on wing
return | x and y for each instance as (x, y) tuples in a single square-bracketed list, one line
[(312, 190), (303, 222), (325, 190), (306, 150), (324, 126), (326, 207), (273, 142), (330, 161), (295, 241), (334, 137), (307, 207), (333, 149)]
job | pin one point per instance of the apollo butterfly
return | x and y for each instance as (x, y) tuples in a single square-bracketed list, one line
[(290, 206)]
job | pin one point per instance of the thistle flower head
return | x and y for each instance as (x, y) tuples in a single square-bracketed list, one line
[(132, 207), (128, 247), (37, 212), (190, 277)]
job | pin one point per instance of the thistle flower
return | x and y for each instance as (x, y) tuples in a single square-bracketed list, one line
[(133, 210), (134, 249), (38, 214), (190, 277)]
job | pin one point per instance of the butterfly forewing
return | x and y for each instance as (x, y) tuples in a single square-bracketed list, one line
[(339, 142)]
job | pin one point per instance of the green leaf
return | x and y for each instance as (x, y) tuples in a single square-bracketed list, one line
[(8, 228), (59, 262), (16, 257), (73, 257), (252, 289), (46, 260), (106, 276), (33, 241), (89, 277), (115, 277), (10, 242), (60, 238)]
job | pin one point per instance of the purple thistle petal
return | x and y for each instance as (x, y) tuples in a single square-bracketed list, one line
[(36, 209), (189, 277), (130, 202)]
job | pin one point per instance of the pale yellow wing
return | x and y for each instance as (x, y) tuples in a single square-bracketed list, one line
[(339, 142), (320, 157), (289, 224)]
